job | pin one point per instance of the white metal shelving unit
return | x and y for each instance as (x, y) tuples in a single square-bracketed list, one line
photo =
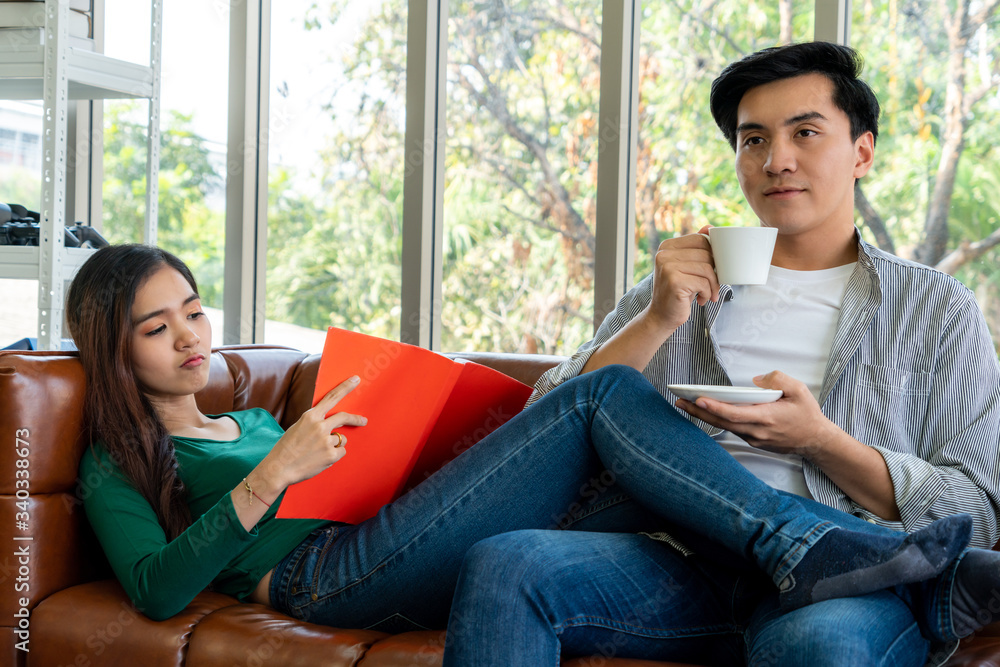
[(57, 73)]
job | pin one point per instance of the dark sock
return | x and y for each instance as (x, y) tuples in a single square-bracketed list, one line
[(975, 595), (845, 563)]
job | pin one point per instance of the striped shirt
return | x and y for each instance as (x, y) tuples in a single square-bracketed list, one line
[(912, 373)]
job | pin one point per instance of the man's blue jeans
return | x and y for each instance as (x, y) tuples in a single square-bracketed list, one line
[(558, 464), (526, 598)]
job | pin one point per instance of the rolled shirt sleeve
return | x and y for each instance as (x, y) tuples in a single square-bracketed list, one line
[(954, 466)]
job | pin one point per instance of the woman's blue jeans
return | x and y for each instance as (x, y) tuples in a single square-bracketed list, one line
[(561, 463)]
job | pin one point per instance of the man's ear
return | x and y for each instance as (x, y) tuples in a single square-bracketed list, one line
[(864, 150)]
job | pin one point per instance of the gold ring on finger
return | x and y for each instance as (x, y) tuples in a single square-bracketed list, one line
[(340, 439)]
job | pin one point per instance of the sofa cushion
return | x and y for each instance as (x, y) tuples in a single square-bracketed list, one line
[(43, 401), (413, 649), (96, 624), (977, 652), (252, 634)]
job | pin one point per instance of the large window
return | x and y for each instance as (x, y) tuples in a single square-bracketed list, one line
[(193, 122), (523, 83), (934, 193), (21, 153), (684, 176), (20, 166), (521, 92), (335, 147)]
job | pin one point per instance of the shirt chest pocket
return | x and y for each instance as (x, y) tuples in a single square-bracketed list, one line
[(889, 403)]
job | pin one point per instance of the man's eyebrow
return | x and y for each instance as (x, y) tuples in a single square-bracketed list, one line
[(794, 120), (802, 118), (148, 316), (746, 127)]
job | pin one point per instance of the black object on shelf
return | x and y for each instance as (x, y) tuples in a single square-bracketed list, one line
[(19, 226)]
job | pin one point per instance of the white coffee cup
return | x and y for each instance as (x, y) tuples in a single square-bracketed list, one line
[(742, 254)]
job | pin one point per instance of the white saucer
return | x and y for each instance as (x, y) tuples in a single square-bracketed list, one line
[(743, 395)]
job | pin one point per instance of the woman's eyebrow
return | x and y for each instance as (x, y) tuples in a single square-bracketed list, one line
[(139, 320)]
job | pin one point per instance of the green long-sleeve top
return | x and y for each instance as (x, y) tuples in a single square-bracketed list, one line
[(162, 577)]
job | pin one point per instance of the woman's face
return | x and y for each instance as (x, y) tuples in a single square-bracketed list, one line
[(171, 337)]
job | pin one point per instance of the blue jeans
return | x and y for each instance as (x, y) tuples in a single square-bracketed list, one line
[(558, 464), (529, 597)]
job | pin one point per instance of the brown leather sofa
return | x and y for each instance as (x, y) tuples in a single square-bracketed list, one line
[(58, 598)]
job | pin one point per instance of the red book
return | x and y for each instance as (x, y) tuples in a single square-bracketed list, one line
[(423, 410)]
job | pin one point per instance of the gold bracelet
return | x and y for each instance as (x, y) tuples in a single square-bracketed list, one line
[(251, 495), (249, 491)]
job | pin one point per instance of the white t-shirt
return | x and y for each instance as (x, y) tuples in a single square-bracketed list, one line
[(786, 325)]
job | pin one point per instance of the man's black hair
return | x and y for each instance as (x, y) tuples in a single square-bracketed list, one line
[(841, 64)]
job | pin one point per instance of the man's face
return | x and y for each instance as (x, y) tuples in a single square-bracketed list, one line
[(795, 158)]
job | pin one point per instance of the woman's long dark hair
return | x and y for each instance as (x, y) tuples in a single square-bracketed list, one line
[(99, 314)]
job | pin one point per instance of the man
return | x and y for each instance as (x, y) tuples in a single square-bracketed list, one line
[(891, 403), (897, 354)]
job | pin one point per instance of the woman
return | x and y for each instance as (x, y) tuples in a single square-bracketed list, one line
[(187, 499)]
